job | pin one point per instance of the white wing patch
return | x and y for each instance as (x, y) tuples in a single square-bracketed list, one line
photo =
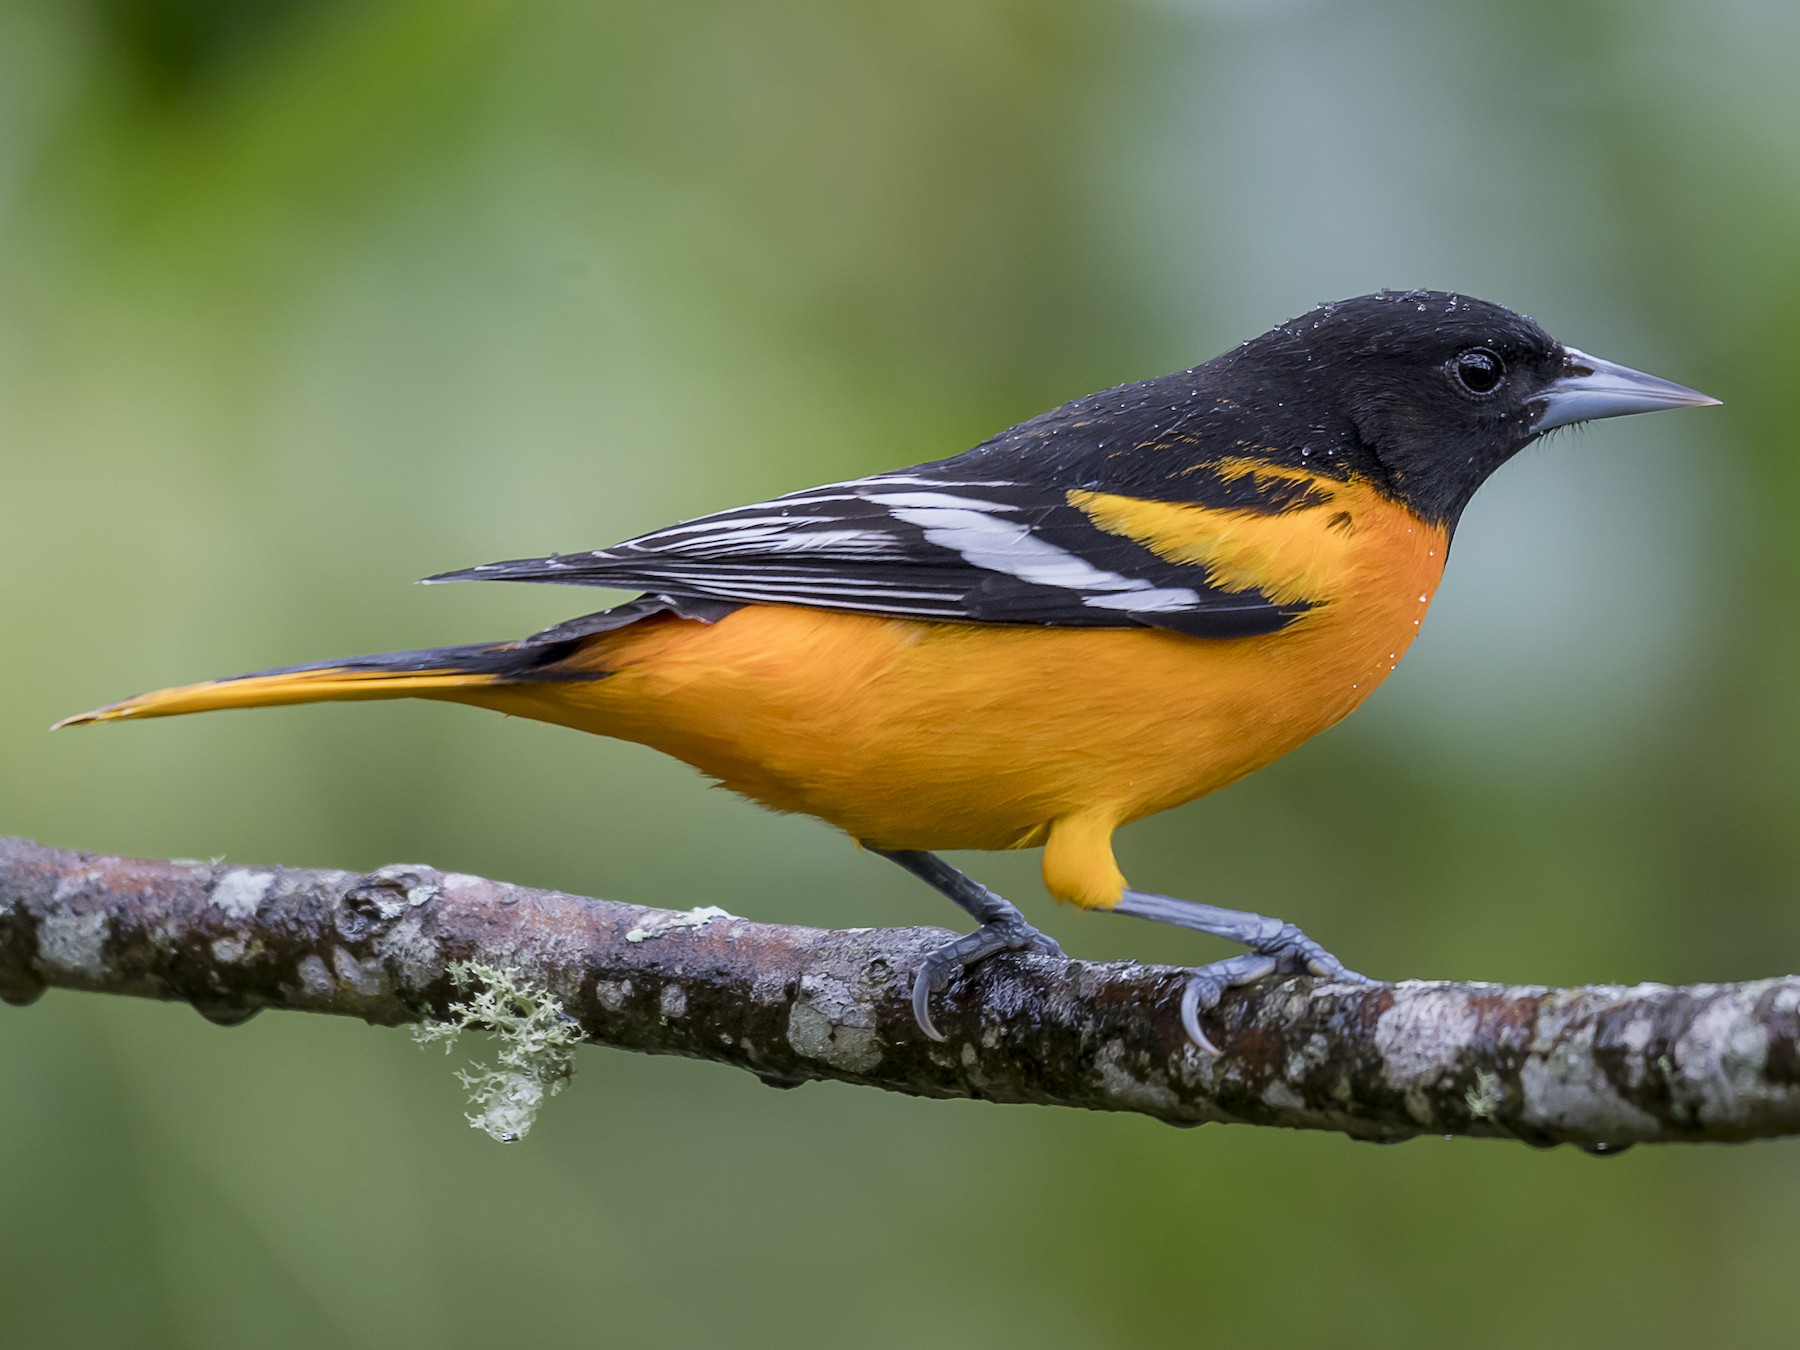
[(971, 527), (1010, 547), (1151, 600)]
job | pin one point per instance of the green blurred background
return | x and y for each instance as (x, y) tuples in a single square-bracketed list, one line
[(301, 301)]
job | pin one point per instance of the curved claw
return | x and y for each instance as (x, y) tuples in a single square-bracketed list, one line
[(1207, 985), (921, 1001), (1198, 989), (972, 948)]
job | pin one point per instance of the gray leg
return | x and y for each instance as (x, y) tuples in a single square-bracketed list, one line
[(1003, 929), (1275, 948)]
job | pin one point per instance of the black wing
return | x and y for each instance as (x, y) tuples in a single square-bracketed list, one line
[(923, 544)]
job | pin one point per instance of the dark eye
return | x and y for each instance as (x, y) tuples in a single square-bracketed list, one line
[(1479, 370)]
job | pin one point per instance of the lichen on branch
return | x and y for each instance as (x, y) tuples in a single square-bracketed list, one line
[(537, 1040)]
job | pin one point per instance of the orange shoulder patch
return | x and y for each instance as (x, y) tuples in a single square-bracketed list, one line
[(1302, 555)]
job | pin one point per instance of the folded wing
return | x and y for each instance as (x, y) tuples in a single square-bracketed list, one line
[(916, 545)]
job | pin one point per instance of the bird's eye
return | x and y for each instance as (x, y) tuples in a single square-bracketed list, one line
[(1479, 370)]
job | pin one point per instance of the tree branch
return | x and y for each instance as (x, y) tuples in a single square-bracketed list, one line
[(1600, 1067)]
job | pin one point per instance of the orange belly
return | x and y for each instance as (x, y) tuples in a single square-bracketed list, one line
[(915, 735)]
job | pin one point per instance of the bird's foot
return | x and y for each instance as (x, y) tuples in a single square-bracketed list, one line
[(1292, 953), (1276, 948), (1009, 934)]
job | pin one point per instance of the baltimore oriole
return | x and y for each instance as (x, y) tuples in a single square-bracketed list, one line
[(1115, 607)]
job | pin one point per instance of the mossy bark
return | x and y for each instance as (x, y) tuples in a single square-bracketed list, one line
[(1600, 1067)]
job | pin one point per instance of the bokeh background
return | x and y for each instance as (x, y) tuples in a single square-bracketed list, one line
[(302, 300)]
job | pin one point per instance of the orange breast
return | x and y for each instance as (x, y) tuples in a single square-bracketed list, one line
[(940, 735)]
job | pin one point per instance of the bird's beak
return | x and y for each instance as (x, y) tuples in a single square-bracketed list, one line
[(1590, 388)]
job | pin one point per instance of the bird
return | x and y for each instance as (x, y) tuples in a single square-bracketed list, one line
[(1105, 611)]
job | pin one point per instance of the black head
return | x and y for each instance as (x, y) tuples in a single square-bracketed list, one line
[(1431, 391)]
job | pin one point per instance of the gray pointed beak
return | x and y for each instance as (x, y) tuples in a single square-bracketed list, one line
[(1590, 388)]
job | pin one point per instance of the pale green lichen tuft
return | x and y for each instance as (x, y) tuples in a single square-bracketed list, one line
[(1487, 1096), (537, 1039)]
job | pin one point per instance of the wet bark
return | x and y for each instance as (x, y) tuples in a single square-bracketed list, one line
[(1600, 1067)]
